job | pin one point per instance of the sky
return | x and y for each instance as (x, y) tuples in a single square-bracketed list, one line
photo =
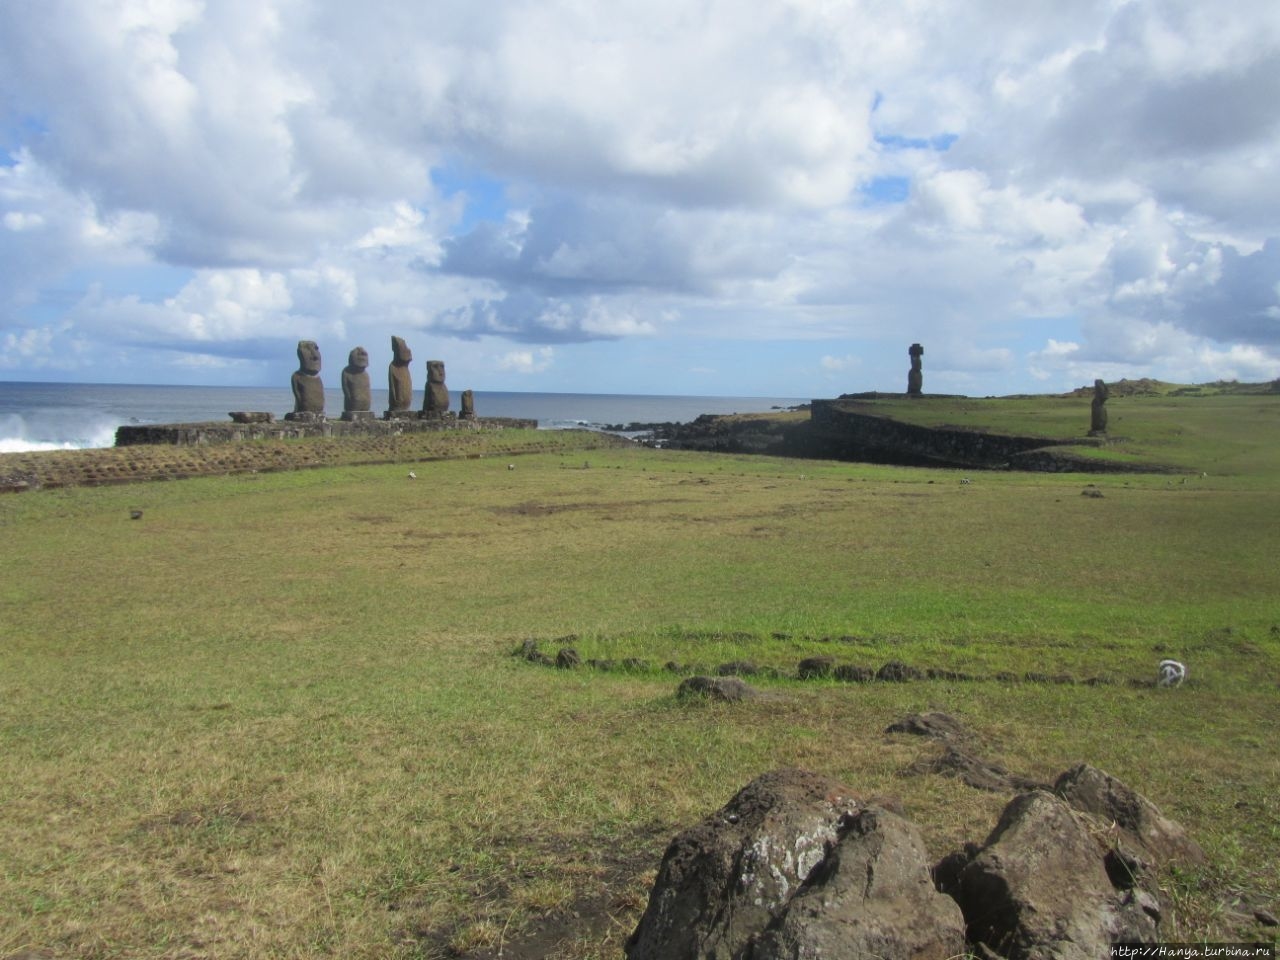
[(746, 198)]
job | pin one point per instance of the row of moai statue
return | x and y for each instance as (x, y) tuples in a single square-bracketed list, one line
[(357, 396)]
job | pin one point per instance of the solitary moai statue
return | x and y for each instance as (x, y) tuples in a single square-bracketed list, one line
[(468, 411), (915, 376), (435, 401), (357, 397), (308, 389), (399, 380), (1098, 423)]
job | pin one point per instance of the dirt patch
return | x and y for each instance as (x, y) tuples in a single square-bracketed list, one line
[(610, 885), (533, 508), (218, 816), (377, 518)]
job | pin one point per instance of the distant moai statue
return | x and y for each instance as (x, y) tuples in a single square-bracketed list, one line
[(915, 376), (399, 381), (1098, 421), (468, 411), (357, 396), (435, 401), (308, 389)]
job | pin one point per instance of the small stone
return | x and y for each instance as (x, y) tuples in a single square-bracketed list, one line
[(933, 724), (737, 668), (728, 689), (813, 668), (895, 671), (568, 658), (849, 673)]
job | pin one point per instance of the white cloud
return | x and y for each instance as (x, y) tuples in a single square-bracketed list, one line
[(647, 169), (526, 361)]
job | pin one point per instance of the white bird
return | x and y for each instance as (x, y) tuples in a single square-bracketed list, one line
[(1171, 673), (412, 475), (511, 466)]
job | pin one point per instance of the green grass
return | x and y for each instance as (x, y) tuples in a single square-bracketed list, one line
[(278, 715), (1220, 433)]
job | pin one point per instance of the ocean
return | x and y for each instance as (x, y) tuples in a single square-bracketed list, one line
[(66, 416)]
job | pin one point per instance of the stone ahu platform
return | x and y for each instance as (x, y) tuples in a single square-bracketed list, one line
[(213, 432)]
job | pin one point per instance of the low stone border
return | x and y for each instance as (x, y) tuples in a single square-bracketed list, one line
[(21, 472), (810, 668)]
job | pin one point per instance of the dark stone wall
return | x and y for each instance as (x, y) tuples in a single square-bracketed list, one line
[(836, 432), (198, 434)]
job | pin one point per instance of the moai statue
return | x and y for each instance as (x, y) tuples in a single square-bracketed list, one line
[(308, 390), (435, 401), (357, 397), (915, 376), (1098, 423), (399, 381), (468, 411)]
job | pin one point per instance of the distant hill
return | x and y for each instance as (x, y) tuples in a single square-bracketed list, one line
[(1146, 387)]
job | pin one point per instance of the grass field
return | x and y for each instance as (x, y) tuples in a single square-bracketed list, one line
[(278, 716)]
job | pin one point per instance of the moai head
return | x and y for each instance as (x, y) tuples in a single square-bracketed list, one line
[(435, 371), (358, 359), (400, 352), (1100, 391), (308, 357)]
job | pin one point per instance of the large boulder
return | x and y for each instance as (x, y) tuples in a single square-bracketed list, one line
[(1141, 834), (872, 898), (1039, 888), (726, 879)]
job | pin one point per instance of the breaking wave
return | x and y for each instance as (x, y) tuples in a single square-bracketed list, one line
[(20, 434)]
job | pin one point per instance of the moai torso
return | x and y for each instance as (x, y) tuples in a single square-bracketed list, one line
[(435, 402), (308, 389), (357, 396), (915, 376), (399, 378), (1098, 419)]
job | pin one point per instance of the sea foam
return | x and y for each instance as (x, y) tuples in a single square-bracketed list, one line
[(66, 433)]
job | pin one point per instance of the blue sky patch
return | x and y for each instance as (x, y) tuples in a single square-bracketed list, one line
[(939, 143), (17, 132), (486, 196), (886, 190)]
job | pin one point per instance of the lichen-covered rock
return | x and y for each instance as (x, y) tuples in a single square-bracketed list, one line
[(726, 879), (1141, 828), (872, 898), (1039, 889)]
